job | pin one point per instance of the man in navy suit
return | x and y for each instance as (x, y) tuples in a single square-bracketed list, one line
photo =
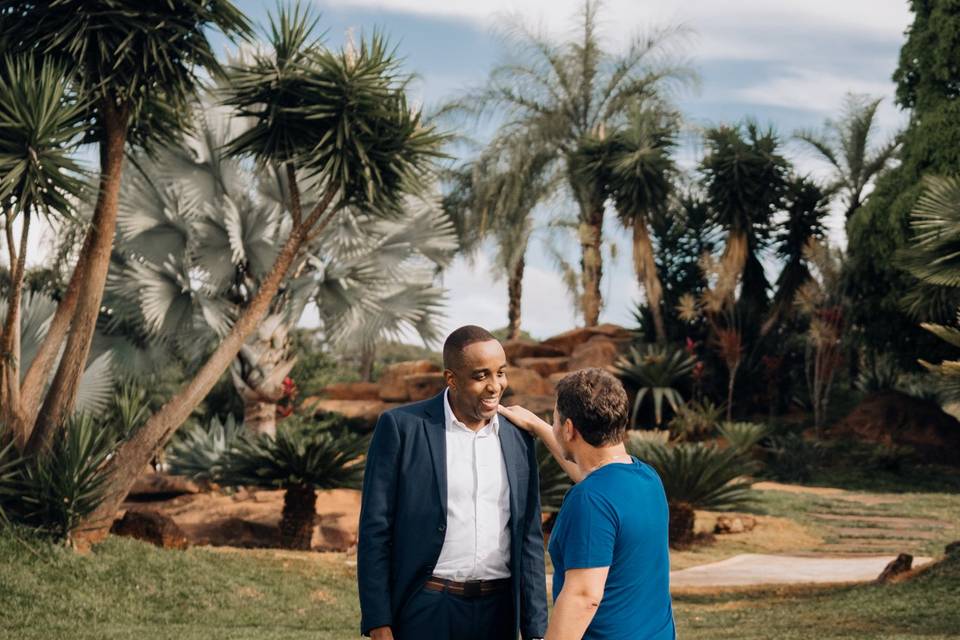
[(450, 545)]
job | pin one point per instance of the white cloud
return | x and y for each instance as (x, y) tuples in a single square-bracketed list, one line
[(812, 90)]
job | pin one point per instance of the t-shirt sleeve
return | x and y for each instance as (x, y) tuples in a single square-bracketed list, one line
[(590, 533)]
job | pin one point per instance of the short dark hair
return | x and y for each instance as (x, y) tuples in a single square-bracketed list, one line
[(596, 403), (459, 340)]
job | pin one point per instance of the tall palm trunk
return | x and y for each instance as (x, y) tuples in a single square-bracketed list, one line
[(62, 394), (681, 524), (732, 262), (10, 342), (299, 515), (646, 269), (591, 264), (514, 295), (134, 454)]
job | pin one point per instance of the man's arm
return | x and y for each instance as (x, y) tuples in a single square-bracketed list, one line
[(533, 597), (375, 544), (578, 603)]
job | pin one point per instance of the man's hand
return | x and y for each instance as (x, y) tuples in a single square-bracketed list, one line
[(381, 633), (525, 419)]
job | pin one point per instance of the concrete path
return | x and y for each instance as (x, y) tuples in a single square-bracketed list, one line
[(758, 569)]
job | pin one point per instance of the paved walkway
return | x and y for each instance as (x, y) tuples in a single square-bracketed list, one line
[(759, 569)]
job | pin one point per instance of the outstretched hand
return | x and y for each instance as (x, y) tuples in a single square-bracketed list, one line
[(523, 418)]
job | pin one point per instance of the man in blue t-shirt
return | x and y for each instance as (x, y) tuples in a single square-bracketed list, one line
[(609, 546)]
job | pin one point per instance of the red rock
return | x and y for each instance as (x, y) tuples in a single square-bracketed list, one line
[(421, 386), (526, 382), (599, 351), (553, 379), (150, 526), (352, 391), (546, 367), (902, 564), (542, 405), (393, 388), (734, 524), (569, 340), (365, 410), (517, 349)]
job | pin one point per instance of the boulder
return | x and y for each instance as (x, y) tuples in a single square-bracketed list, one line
[(352, 391), (393, 387), (150, 526), (892, 418), (421, 386), (237, 532), (568, 341), (734, 524), (542, 405), (517, 349), (153, 486), (554, 378), (952, 548), (365, 411), (546, 367), (599, 351), (526, 382), (902, 564)]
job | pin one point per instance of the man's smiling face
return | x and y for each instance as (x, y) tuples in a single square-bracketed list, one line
[(477, 382)]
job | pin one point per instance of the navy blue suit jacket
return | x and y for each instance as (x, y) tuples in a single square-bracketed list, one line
[(404, 511)]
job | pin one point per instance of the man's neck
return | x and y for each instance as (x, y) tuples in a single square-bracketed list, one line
[(592, 458), (473, 425)]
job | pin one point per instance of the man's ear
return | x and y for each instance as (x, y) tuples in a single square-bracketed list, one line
[(568, 431), (450, 378)]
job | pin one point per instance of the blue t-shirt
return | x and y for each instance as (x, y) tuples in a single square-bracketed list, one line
[(617, 517)]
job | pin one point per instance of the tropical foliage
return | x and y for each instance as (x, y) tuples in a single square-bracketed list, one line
[(655, 371)]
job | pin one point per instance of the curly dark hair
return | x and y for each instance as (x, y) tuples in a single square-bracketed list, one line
[(596, 403)]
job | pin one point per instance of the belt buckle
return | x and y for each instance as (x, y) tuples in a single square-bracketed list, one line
[(472, 588)]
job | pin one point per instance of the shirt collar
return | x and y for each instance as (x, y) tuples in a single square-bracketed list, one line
[(452, 422)]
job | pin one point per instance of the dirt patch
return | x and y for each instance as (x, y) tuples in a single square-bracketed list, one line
[(796, 488)]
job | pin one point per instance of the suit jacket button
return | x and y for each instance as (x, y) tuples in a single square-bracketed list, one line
[(442, 528)]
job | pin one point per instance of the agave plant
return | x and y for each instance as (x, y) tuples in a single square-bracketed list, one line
[(302, 458), (200, 451), (743, 436), (54, 490), (655, 370), (697, 476)]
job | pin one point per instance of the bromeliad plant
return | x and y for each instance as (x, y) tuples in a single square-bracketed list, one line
[(302, 458), (655, 370)]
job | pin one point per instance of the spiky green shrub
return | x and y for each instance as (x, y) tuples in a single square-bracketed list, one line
[(791, 458), (656, 371), (696, 420), (743, 436), (53, 491), (303, 457), (199, 451), (697, 476)]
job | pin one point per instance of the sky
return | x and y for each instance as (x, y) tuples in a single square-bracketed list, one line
[(787, 63)]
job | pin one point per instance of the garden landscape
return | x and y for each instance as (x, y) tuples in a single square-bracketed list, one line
[(235, 233)]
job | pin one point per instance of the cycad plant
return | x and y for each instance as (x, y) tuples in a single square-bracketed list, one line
[(697, 476), (199, 451), (302, 458), (743, 436), (655, 370), (696, 420)]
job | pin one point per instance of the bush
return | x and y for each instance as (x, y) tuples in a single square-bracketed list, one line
[(791, 458), (199, 451), (743, 436), (696, 420), (53, 491), (655, 370)]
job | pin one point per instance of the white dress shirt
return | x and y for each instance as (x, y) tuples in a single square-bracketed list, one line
[(476, 544)]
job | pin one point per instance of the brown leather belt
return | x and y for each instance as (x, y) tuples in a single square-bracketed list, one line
[(469, 589)]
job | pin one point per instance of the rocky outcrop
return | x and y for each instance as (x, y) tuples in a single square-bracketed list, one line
[(519, 349), (421, 386), (365, 411), (546, 367), (526, 382), (734, 524), (160, 486), (599, 351), (393, 384), (150, 526), (352, 391)]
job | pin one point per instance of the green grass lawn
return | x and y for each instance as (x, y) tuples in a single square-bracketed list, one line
[(127, 589)]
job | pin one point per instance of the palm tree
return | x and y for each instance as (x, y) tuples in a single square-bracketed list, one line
[(639, 175), (745, 177), (340, 117), (562, 95), (195, 245), (496, 195), (134, 67), (302, 458), (846, 145), (42, 124), (696, 476)]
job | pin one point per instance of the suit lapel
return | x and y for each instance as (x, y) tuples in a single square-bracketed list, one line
[(512, 458), (435, 428)]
